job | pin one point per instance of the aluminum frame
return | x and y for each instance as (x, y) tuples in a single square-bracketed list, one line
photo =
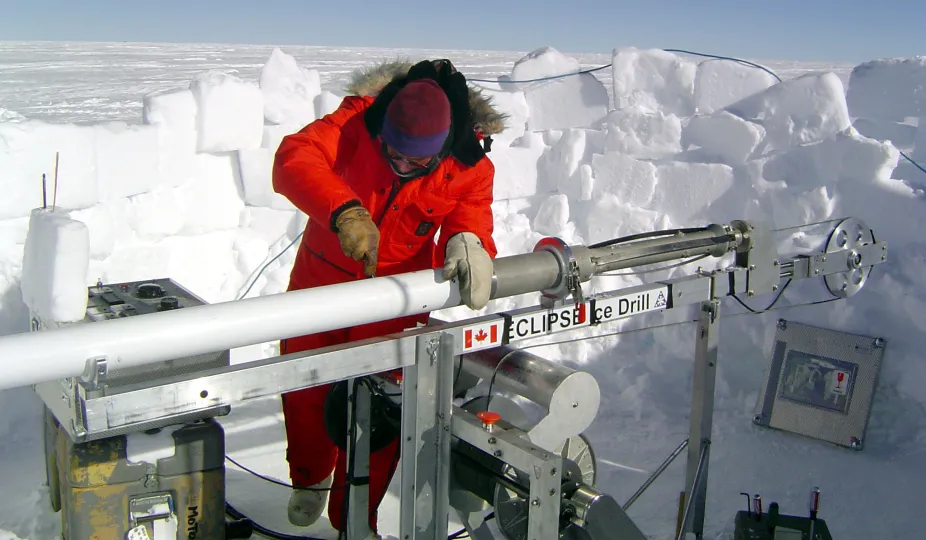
[(426, 356)]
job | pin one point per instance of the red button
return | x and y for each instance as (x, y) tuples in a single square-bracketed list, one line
[(489, 417)]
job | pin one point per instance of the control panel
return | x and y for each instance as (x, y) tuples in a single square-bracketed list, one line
[(117, 300)]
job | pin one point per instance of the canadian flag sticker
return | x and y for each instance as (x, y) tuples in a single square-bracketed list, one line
[(482, 336)]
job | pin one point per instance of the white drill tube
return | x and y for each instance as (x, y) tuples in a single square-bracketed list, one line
[(34, 357)]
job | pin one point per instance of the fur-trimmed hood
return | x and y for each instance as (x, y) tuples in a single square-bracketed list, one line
[(370, 81)]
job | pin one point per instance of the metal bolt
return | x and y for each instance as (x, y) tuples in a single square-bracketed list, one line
[(776, 263), (491, 440), (774, 287), (553, 471), (750, 292), (824, 258), (497, 453), (575, 404), (757, 419), (752, 267), (552, 492), (535, 502)]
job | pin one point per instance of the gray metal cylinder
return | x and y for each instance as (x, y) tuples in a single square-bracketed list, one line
[(527, 273), (527, 374)]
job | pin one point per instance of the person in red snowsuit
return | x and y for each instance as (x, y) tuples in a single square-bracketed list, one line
[(403, 157)]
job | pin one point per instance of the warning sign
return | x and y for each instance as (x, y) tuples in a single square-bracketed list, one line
[(838, 382), (482, 336)]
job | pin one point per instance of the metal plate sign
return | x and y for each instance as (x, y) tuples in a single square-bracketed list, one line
[(627, 305), (820, 383), (549, 321)]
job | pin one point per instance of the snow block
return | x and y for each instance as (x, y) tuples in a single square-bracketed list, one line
[(516, 167), (269, 224), (799, 111), (631, 181), (557, 168), (204, 263), (653, 79), (723, 136), (686, 190), (174, 113), (719, 83), (127, 159), (101, 226), (643, 133), (553, 215), (919, 142), (212, 200), (27, 151), (543, 62), (326, 103), (900, 134), (611, 218), (846, 157), (890, 89), (55, 262), (158, 213), (273, 135), (577, 101), (289, 90), (562, 103), (514, 104), (230, 112), (256, 168)]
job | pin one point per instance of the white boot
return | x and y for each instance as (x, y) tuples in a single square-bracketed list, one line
[(306, 506)]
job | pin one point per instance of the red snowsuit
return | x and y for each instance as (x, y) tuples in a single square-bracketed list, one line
[(322, 169)]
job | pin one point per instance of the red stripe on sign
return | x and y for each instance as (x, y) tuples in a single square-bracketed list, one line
[(583, 313), (468, 340), (494, 333)]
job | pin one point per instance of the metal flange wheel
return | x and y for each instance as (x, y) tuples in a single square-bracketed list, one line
[(850, 234), (511, 510)]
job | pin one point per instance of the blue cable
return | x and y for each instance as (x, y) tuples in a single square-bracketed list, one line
[(744, 62), (550, 78), (915, 164)]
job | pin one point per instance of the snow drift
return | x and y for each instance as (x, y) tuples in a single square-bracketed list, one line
[(186, 194)]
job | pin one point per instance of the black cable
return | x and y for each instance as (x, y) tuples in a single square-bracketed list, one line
[(277, 482), (645, 235), (264, 531), (650, 271), (770, 306), (351, 453), (489, 395)]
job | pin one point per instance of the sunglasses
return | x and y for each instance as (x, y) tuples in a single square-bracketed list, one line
[(395, 158)]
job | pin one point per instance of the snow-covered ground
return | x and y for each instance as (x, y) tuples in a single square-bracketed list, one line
[(656, 141)]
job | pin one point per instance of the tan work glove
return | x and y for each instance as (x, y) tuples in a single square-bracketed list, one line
[(467, 260), (359, 237)]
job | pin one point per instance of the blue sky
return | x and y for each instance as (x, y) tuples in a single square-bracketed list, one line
[(826, 30)]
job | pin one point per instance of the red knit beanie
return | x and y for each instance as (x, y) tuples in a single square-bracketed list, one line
[(417, 119)]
